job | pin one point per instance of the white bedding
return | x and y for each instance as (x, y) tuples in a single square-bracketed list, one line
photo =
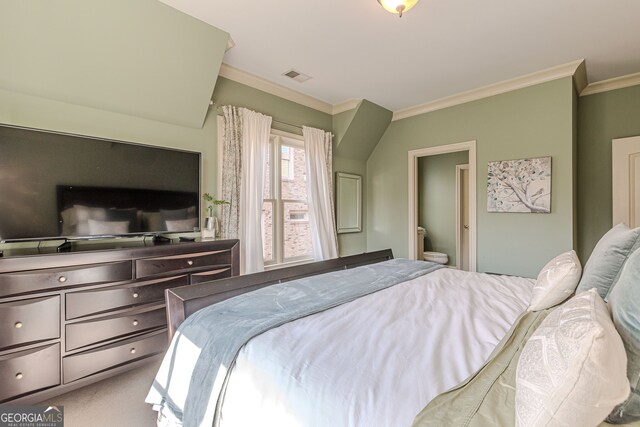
[(393, 350)]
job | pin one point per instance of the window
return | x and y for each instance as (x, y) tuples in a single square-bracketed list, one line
[(286, 162), (299, 216), (286, 234)]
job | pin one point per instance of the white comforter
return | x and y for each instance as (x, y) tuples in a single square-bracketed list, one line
[(376, 361)]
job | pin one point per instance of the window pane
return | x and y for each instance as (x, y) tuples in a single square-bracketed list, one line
[(286, 163), (267, 231), (297, 235), (294, 185)]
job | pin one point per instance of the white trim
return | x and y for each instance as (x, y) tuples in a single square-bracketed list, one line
[(346, 106), (287, 135), (612, 84), (459, 169), (577, 69), (623, 151), (532, 79), (259, 83), (413, 155)]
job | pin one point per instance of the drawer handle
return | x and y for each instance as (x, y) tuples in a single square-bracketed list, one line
[(136, 295), (133, 350), (135, 322), (189, 262), (19, 376), (18, 325), (62, 279)]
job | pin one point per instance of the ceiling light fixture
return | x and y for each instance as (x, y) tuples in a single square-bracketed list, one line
[(397, 6)]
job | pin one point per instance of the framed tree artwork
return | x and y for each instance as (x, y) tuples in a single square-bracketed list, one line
[(519, 185)]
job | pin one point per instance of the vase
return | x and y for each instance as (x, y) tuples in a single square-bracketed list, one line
[(210, 228)]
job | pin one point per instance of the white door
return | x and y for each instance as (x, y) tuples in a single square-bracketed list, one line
[(626, 181), (462, 215)]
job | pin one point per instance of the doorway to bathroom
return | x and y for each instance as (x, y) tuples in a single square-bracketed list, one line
[(442, 200)]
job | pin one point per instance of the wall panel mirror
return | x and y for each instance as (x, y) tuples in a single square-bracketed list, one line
[(348, 202)]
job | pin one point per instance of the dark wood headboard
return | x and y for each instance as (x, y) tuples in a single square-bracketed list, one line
[(186, 300)]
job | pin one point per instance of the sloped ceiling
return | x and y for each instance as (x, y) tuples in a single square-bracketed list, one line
[(140, 58), (358, 131)]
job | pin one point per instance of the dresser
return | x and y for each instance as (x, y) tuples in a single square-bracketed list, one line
[(71, 319)]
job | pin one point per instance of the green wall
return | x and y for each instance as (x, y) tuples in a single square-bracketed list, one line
[(141, 58), (437, 201), (31, 111), (602, 117), (530, 122)]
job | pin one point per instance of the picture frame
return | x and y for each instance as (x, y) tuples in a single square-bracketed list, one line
[(522, 185), (348, 203)]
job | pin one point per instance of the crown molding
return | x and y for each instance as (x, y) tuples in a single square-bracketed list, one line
[(611, 84), (553, 73), (347, 105), (259, 83), (580, 79)]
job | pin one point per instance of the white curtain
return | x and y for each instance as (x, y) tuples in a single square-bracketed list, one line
[(246, 144), (317, 144), (256, 129)]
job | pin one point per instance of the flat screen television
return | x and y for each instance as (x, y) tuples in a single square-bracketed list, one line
[(55, 185)]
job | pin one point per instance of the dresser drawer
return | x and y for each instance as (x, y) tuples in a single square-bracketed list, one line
[(34, 280), (84, 303), (205, 276), (90, 332), (30, 370), (29, 320), (89, 362), (159, 265)]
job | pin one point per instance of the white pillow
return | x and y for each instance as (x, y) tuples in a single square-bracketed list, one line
[(97, 227), (556, 282), (573, 369), (182, 224)]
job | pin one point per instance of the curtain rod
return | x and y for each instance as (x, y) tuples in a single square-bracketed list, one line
[(218, 107)]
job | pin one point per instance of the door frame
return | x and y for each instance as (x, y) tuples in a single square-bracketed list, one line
[(459, 169), (622, 183), (412, 228)]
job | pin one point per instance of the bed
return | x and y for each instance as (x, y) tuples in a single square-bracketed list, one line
[(366, 340)]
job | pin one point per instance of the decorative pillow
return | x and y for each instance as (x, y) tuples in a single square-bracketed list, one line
[(556, 282), (607, 259), (624, 302), (130, 215), (81, 216), (572, 370), (174, 214), (108, 227), (182, 224), (84, 213)]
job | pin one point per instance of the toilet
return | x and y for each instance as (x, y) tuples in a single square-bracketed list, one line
[(437, 257)]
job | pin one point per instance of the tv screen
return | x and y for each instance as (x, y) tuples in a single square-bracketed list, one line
[(56, 185)]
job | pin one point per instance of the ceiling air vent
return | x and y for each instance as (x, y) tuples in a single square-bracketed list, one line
[(296, 75)]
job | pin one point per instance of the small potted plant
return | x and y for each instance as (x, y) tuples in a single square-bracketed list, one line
[(211, 222)]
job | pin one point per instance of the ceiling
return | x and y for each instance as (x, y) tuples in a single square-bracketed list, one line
[(354, 49)]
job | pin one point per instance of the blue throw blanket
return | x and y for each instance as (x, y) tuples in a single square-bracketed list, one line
[(190, 385)]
